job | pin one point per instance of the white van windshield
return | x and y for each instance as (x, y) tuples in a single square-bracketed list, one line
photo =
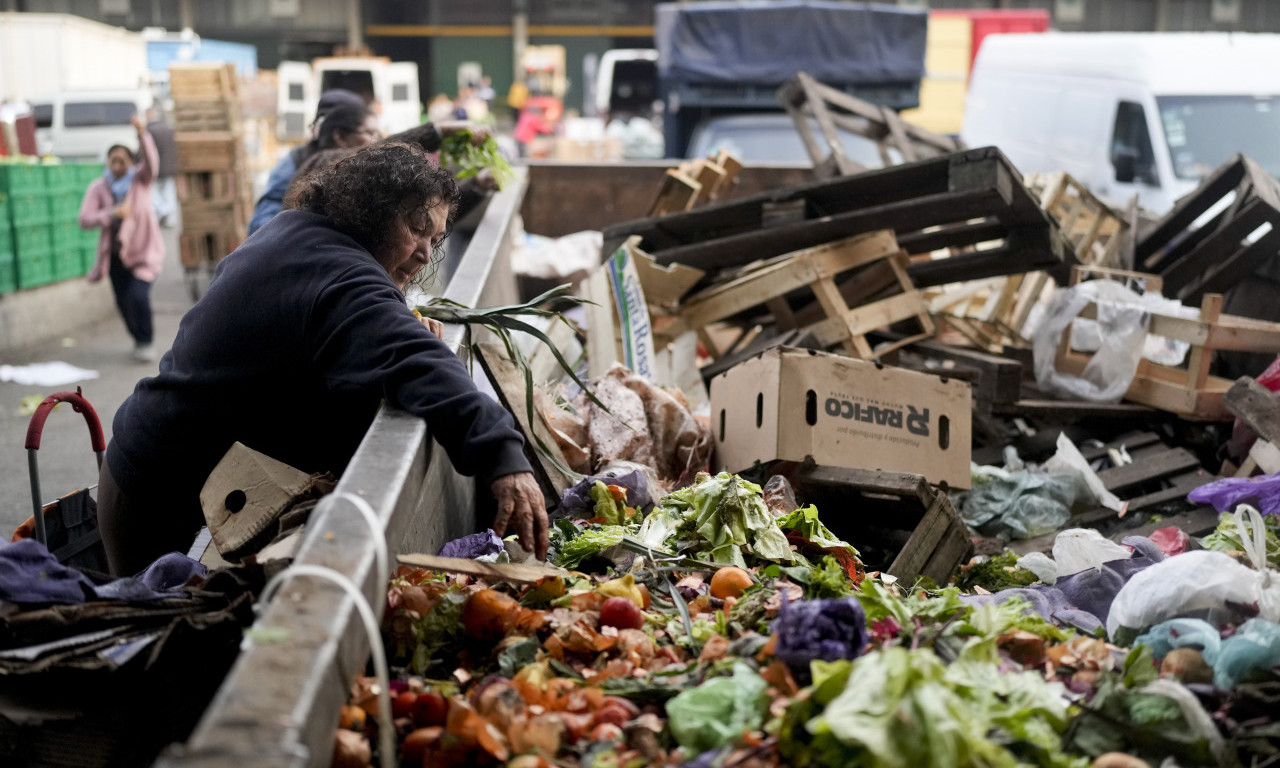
[(1203, 132)]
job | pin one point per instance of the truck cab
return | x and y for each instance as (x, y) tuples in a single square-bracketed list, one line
[(389, 88)]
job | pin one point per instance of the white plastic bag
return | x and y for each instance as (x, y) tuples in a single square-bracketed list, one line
[(1067, 460), (1123, 328), (1254, 539), (1182, 585), (1076, 549)]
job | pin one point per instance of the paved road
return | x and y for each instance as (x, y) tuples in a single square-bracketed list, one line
[(66, 461)]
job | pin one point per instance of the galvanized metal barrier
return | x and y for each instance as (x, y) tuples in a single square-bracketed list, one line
[(279, 705)]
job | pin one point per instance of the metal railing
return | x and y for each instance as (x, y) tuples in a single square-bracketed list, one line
[(279, 704)]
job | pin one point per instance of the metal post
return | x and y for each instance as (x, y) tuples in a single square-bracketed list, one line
[(37, 503), (519, 36), (355, 29), (186, 14)]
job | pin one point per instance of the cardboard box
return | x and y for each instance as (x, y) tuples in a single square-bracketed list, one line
[(789, 404)]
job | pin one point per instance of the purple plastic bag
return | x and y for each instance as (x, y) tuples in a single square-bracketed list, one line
[(473, 546), (1262, 492), (576, 501)]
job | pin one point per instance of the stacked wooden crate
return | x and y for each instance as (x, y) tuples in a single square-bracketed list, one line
[(213, 177)]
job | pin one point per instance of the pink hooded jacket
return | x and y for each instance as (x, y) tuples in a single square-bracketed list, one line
[(141, 248)]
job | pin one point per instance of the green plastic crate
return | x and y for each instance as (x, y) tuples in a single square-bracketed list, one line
[(35, 269), (65, 236), (64, 206), (23, 178), (8, 273), (88, 238), (33, 238), (68, 264), (27, 208)]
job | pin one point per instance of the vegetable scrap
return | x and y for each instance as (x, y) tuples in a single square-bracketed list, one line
[(718, 630), (460, 150)]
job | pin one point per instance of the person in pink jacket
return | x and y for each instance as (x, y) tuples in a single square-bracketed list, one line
[(130, 250)]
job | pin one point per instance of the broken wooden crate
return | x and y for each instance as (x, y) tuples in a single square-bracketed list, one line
[(960, 199), (898, 522), (1189, 392), (1157, 480), (833, 111), (695, 181), (1213, 257), (816, 268), (1259, 410)]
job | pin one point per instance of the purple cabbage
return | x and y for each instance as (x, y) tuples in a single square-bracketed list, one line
[(576, 501), (473, 546), (829, 630)]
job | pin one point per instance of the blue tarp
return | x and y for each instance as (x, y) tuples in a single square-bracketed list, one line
[(161, 53), (754, 42)]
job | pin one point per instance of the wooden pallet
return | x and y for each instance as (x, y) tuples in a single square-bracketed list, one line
[(209, 187), (1159, 478), (695, 181), (965, 198), (1188, 392), (807, 99), (204, 249), (898, 522), (203, 82), (210, 151), (1212, 258), (816, 269)]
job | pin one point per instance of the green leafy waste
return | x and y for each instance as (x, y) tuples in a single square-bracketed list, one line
[(460, 150), (996, 573), (716, 519), (1226, 537)]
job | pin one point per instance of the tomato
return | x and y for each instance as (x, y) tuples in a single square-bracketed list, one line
[(620, 612), (402, 704), (430, 708)]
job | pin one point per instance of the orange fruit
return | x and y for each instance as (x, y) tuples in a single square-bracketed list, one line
[(730, 582), (489, 614)]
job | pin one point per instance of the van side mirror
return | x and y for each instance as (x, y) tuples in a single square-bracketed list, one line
[(1125, 160)]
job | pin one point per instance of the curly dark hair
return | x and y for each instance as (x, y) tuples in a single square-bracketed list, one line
[(366, 194)]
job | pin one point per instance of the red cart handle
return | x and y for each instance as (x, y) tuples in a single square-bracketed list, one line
[(78, 404)]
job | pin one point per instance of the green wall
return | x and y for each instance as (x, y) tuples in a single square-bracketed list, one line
[(493, 53), (575, 48)]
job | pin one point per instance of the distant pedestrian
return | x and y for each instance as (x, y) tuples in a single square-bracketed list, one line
[(165, 190), (130, 249)]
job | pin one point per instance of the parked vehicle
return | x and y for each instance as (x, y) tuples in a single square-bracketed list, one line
[(626, 83), (1125, 114), (723, 58), (48, 53), (391, 88), (79, 126), (772, 138)]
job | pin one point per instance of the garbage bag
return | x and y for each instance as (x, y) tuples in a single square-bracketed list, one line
[(1255, 647), (1182, 633), (1068, 460), (1122, 323), (1023, 505), (1188, 584), (719, 710), (1049, 602), (1262, 491), (1076, 549)]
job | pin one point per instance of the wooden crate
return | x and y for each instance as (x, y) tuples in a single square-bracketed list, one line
[(807, 99), (898, 522), (203, 82), (1189, 392), (210, 151), (209, 187), (695, 181), (204, 116), (817, 269), (199, 249)]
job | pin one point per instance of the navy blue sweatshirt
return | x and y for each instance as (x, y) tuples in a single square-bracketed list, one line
[(299, 338)]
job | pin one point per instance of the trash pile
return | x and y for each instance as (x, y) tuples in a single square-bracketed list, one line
[(715, 627)]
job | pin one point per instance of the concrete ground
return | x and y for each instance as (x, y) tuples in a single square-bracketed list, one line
[(101, 344)]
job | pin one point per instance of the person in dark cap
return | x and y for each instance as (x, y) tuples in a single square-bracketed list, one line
[(272, 199)]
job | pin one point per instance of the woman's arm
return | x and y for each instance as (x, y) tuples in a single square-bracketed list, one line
[(148, 155)]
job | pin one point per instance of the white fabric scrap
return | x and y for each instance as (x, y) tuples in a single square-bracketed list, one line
[(55, 374)]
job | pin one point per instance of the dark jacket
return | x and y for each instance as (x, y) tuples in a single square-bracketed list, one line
[(299, 338), (166, 146)]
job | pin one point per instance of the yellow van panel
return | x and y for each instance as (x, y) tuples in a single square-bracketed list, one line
[(948, 46), (941, 107)]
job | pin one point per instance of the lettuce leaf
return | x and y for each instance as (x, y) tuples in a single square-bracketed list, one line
[(591, 541)]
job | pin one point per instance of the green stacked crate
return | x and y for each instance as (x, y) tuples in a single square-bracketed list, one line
[(68, 264), (64, 206), (32, 238), (68, 250), (23, 178), (35, 268), (8, 272), (29, 207)]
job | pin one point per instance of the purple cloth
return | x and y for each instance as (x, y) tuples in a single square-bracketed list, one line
[(1049, 602), (576, 501), (30, 574), (473, 546)]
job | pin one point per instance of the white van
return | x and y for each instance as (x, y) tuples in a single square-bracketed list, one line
[(1150, 114), (80, 126), (390, 88)]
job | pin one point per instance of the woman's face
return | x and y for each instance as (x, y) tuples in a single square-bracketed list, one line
[(366, 135), (410, 247), (119, 163)]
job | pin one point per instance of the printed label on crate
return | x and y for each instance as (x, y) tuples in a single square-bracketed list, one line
[(633, 313)]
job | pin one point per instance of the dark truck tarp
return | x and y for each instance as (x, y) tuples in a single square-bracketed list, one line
[(754, 42)]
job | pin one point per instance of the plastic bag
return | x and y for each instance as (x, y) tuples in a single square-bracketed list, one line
[(1182, 633), (1255, 647), (1022, 504), (780, 497), (719, 710), (1076, 549), (1068, 460), (1041, 565), (1223, 495), (1186, 584), (1123, 326), (1172, 540), (1253, 535)]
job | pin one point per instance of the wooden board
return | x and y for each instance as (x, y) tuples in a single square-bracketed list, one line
[(518, 573)]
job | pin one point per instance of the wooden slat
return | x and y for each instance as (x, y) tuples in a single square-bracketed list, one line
[(1171, 462), (1256, 406)]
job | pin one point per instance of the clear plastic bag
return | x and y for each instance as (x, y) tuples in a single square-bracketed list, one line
[(1122, 324), (1190, 583), (1022, 504), (1076, 549), (1255, 647)]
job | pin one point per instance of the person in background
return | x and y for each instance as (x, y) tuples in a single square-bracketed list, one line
[(130, 250), (164, 192), (272, 199)]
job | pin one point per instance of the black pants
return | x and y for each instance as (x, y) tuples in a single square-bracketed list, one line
[(133, 299), (138, 531)]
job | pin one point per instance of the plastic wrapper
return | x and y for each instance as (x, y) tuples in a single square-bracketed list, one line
[(576, 501), (1049, 602), (1172, 540), (826, 630), (1076, 549), (477, 546), (779, 496), (718, 711), (1068, 460), (1122, 325), (1254, 648), (1182, 633), (1022, 505), (1262, 491), (1185, 585)]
